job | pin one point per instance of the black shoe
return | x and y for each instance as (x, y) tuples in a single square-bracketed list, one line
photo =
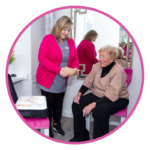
[(51, 132), (57, 128), (73, 140)]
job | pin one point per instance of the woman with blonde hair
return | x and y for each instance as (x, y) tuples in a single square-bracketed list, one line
[(119, 59), (86, 51), (109, 95), (56, 51)]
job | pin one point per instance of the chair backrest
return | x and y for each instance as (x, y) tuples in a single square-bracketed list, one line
[(12, 89), (129, 75)]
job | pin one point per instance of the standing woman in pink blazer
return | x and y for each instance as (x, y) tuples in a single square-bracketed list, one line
[(56, 51), (86, 51)]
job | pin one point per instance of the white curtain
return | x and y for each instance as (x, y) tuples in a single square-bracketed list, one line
[(50, 20)]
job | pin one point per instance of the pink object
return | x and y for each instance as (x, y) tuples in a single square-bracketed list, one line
[(123, 113), (129, 75), (50, 56), (38, 123), (87, 55)]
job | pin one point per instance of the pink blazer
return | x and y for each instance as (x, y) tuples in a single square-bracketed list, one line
[(50, 57), (87, 55)]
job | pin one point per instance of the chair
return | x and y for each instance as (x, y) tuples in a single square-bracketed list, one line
[(122, 113), (39, 123), (36, 123)]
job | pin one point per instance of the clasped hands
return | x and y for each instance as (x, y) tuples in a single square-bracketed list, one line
[(66, 75), (87, 109)]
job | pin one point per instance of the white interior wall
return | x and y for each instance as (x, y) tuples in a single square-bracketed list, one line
[(22, 64), (26, 54), (108, 32), (37, 34), (134, 87)]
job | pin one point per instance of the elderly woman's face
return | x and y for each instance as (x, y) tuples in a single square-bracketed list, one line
[(65, 32), (104, 59)]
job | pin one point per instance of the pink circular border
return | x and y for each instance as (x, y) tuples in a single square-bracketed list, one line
[(93, 9)]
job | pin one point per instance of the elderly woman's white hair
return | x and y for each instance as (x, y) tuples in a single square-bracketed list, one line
[(112, 51)]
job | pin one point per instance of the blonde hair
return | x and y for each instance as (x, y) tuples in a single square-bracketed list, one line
[(90, 35), (120, 52), (62, 23), (110, 50)]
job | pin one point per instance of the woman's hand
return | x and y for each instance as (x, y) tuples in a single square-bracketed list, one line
[(77, 72), (88, 109), (76, 99), (63, 74)]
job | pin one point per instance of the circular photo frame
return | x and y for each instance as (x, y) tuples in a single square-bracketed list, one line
[(141, 63)]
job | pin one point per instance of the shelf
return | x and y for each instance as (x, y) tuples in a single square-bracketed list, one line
[(18, 78)]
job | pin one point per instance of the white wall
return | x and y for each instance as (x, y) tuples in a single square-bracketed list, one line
[(108, 32), (135, 84), (60, 13), (37, 34), (22, 64), (26, 54)]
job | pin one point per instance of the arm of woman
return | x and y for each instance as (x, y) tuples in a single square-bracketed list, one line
[(43, 57), (91, 53), (90, 78), (82, 90), (116, 85), (91, 106)]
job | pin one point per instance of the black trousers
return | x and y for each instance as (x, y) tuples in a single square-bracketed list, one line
[(54, 104), (101, 114)]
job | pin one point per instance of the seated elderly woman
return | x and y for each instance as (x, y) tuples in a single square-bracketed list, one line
[(109, 95), (119, 59)]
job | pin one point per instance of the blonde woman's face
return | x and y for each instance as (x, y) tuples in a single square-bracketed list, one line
[(65, 32), (104, 59)]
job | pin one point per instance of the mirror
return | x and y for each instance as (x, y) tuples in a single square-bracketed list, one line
[(109, 33)]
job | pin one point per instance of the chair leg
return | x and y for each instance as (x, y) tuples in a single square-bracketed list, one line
[(122, 119), (42, 131), (88, 120), (45, 131)]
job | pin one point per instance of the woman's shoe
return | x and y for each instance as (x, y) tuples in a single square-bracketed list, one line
[(73, 140), (57, 128), (51, 132)]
